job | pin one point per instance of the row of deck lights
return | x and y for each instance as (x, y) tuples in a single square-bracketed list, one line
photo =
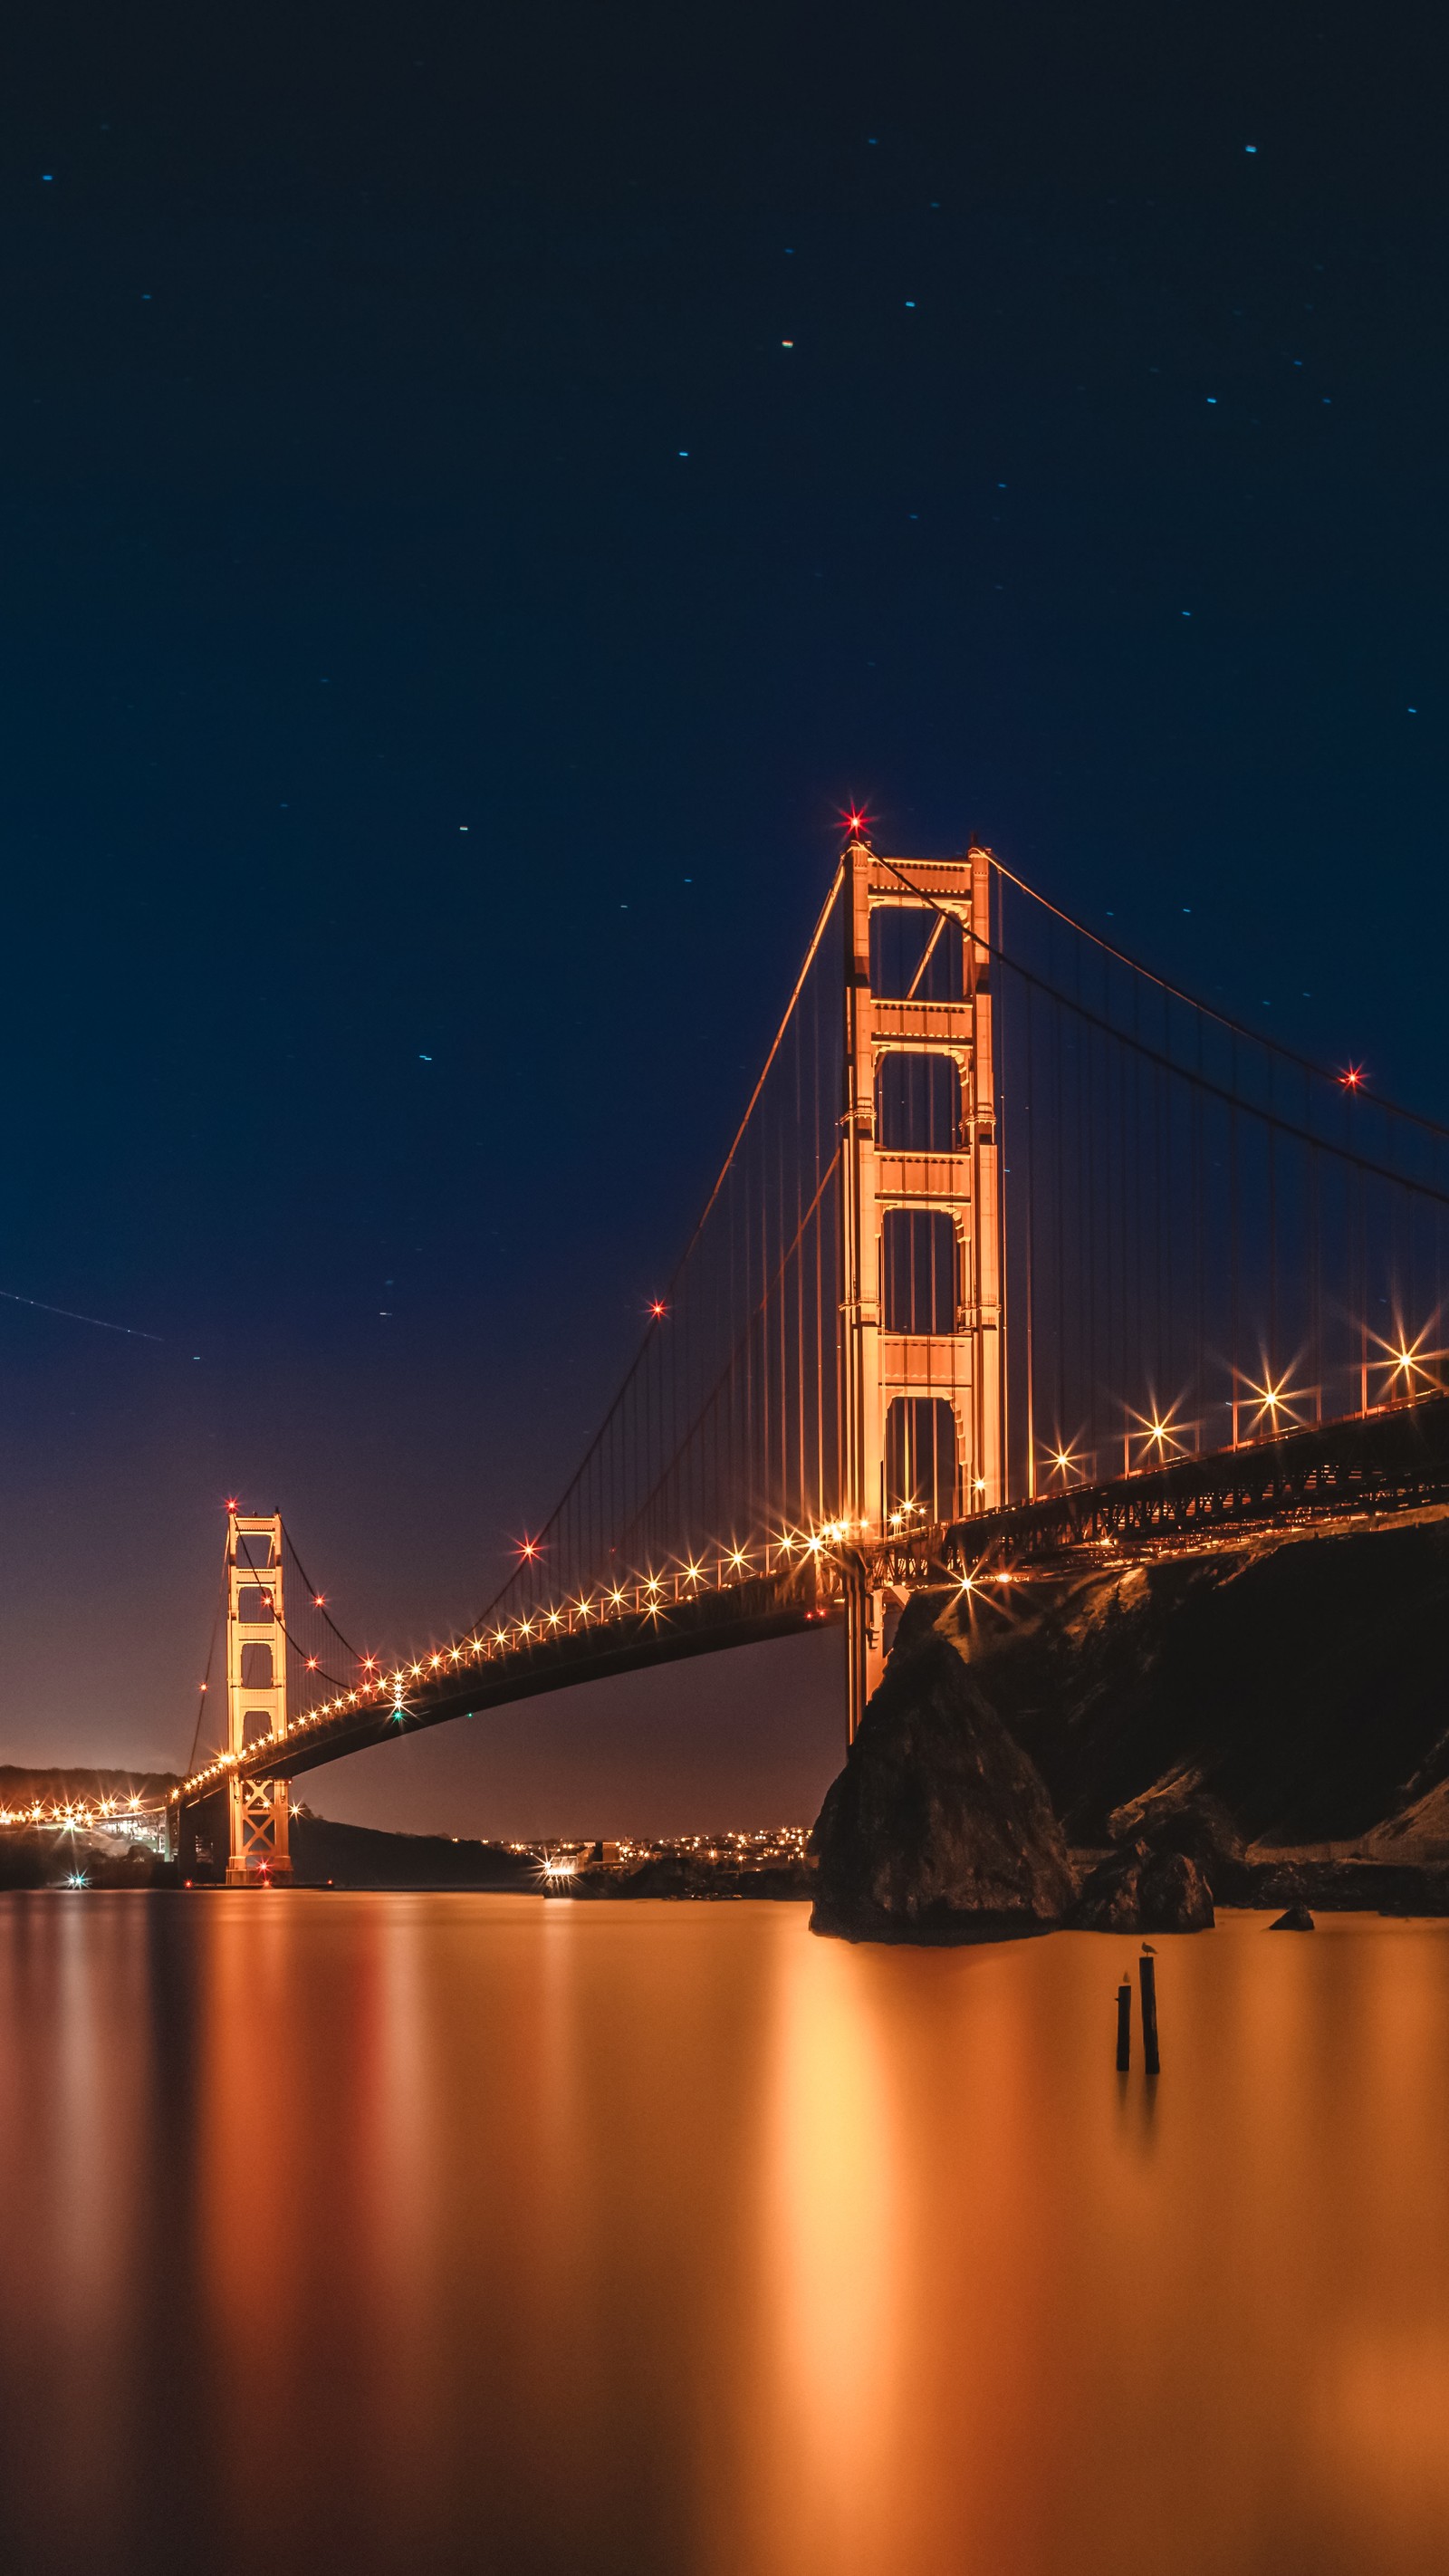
[(647, 1597), (72, 1817)]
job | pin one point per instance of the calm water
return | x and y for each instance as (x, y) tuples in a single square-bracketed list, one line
[(434, 2232)]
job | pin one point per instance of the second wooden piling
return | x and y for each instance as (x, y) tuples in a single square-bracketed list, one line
[(1147, 1970)]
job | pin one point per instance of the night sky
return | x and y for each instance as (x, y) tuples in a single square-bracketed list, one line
[(483, 489)]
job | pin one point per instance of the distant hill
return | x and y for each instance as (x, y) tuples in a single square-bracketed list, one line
[(22, 1787), (325, 1853)]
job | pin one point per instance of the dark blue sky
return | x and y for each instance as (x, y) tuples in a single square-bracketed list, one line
[(401, 436)]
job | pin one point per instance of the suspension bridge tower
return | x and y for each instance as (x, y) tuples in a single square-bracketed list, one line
[(256, 1696), (923, 1320)]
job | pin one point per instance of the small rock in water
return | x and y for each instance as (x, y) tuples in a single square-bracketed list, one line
[(1137, 1890), (1297, 1919)]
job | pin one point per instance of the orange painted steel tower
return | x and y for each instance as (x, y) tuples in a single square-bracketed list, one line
[(921, 1409), (256, 1696)]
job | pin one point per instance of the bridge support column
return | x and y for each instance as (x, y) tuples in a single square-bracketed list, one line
[(864, 1650), (258, 1811)]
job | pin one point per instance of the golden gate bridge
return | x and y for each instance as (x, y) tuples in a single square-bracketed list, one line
[(1018, 1250)]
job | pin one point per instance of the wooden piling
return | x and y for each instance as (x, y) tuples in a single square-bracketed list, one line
[(1124, 2026), (1147, 1970)]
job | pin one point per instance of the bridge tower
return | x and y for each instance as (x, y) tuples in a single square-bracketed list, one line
[(256, 1695), (923, 1321)]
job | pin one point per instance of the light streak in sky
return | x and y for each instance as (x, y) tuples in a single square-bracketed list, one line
[(132, 1331)]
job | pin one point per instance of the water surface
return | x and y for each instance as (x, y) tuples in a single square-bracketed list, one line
[(389, 2233)]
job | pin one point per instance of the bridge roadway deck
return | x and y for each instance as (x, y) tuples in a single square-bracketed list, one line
[(742, 1614), (1391, 1460)]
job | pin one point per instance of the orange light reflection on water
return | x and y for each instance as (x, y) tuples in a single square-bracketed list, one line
[(434, 2231)]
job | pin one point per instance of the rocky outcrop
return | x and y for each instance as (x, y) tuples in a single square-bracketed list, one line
[(1178, 1816), (940, 1824), (1297, 1681), (1141, 1890), (1297, 1919), (1261, 1724)]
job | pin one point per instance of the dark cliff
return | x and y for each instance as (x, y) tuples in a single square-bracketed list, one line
[(1301, 1681), (1285, 1693)]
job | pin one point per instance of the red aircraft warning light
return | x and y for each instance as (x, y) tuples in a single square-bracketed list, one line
[(1351, 1077)]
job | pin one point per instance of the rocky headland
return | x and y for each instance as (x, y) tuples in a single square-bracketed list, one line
[(1124, 1745)]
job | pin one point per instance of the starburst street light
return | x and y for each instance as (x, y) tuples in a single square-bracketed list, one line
[(1064, 1461), (1407, 1364), (1159, 1433), (1276, 1401)]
